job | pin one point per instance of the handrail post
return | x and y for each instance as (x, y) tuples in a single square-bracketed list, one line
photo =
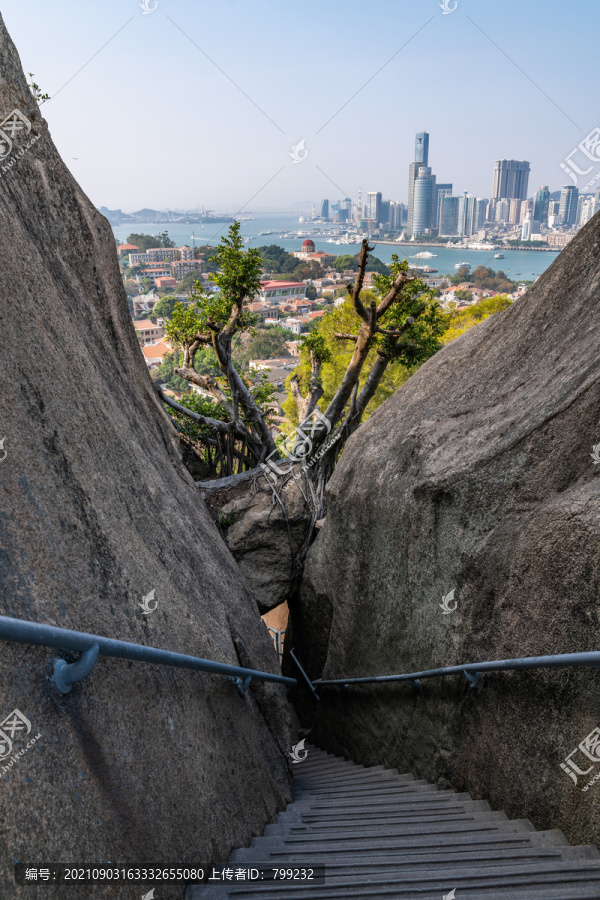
[(304, 675), (66, 674)]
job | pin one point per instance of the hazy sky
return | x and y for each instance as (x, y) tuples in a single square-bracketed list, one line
[(199, 104)]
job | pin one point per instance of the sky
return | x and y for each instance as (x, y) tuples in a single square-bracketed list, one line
[(200, 105)]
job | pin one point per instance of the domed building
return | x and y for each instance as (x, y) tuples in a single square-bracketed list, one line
[(309, 253)]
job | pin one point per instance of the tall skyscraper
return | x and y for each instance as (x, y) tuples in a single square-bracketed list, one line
[(542, 200), (511, 179), (325, 209), (374, 206), (422, 148), (448, 220), (567, 212), (442, 190), (421, 159), (423, 201)]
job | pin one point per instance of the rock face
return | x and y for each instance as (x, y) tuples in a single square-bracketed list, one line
[(263, 528), (475, 477), (139, 763)]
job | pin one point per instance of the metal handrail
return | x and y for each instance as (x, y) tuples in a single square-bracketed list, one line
[(93, 645), (473, 670)]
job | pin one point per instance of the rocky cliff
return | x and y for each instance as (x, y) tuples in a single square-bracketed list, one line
[(476, 477), (140, 763)]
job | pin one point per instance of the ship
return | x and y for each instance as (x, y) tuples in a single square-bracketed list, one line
[(462, 265), (499, 256)]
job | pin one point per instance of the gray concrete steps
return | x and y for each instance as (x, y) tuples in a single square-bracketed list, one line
[(381, 833)]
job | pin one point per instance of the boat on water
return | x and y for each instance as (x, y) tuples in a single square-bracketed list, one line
[(498, 255), (462, 265), (425, 255), (267, 232)]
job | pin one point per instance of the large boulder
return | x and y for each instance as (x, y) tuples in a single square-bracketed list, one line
[(139, 763), (475, 477), (265, 522)]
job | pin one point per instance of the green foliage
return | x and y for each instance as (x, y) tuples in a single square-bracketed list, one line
[(277, 260), (163, 309), (37, 91), (375, 265), (463, 295), (422, 340), (486, 279), (311, 292), (238, 279), (267, 342), (314, 343), (146, 241), (346, 261), (227, 519), (462, 320), (165, 374)]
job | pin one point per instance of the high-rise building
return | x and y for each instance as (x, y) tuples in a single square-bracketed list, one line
[(514, 211), (502, 211), (568, 205), (542, 200), (422, 148), (448, 220), (589, 208), (465, 214), (423, 202), (479, 214), (511, 179), (325, 209), (397, 211), (374, 206), (441, 191), (421, 159), (384, 215)]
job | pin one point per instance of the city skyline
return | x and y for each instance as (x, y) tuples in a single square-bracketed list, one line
[(232, 123)]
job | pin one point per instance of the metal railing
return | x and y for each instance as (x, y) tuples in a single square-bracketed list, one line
[(92, 645), (278, 639), (472, 671)]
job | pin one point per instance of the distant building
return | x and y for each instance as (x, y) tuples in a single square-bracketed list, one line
[(325, 209), (511, 179), (441, 191), (421, 159), (155, 353), (181, 267), (127, 248), (374, 206), (424, 199), (448, 217), (276, 292), (148, 331), (542, 202), (569, 197)]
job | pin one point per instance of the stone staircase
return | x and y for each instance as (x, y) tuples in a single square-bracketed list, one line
[(382, 834)]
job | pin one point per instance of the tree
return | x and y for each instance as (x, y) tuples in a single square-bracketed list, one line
[(163, 309), (311, 292), (344, 262), (145, 241), (402, 322), (464, 296), (212, 320), (267, 342), (276, 260)]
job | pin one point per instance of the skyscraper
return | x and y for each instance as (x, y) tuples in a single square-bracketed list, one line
[(569, 197), (511, 179), (421, 159), (448, 220), (542, 200), (423, 201), (325, 209), (374, 206), (442, 190)]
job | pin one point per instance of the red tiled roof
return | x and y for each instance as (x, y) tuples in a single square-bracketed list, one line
[(127, 247)]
